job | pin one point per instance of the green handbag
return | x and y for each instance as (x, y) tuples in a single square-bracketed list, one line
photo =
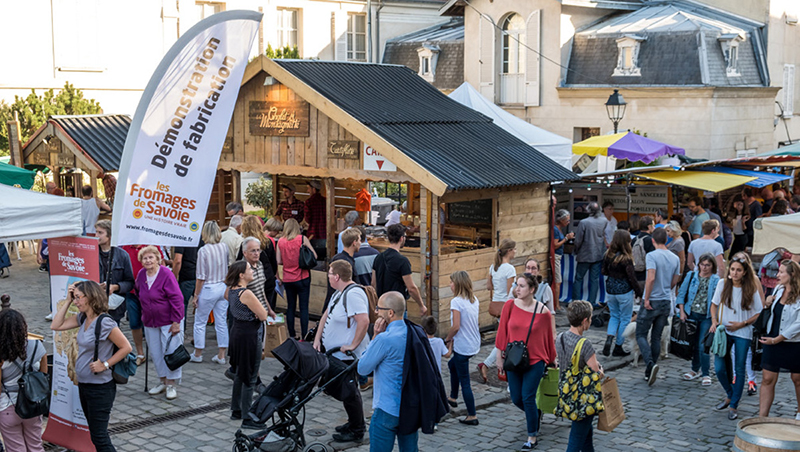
[(580, 393), (547, 393)]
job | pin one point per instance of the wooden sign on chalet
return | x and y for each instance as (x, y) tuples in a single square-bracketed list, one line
[(279, 118), (346, 149)]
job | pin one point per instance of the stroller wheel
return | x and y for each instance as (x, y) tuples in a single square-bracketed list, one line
[(317, 447), (597, 321), (242, 443)]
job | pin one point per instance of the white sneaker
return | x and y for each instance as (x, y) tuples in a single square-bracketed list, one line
[(158, 389), (172, 393), (797, 416), (49, 316), (218, 360), (195, 359)]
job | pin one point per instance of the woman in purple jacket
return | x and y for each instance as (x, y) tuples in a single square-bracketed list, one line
[(162, 316)]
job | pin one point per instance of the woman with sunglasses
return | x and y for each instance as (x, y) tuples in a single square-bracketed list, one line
[(736, 305), (526, 320), (694, 303), (782, 341)]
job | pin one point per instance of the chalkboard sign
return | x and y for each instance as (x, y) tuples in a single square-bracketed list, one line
[(470, 212)]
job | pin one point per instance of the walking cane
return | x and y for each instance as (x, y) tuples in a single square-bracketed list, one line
[(146, 364)]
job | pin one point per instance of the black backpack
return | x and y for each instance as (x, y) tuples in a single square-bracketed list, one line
[(33, 396)]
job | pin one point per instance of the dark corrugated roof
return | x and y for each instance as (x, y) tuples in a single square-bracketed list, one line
[(458, 145), (102, 137)]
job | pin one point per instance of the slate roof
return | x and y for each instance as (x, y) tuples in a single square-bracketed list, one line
[(681, 47), (101, 137), (449, 37), (461, 147)]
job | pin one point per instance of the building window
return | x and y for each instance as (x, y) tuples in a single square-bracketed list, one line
[(426, 66), (288, 20), (788, 90), (745, 153), (730, 50), (206, 9), (584, 133), (628, 57), (357, 37), (512, 77), (428, 57)]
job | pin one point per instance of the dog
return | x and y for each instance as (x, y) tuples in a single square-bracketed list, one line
[(630, 335)]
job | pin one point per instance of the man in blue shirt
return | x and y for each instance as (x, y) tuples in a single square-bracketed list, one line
[(384, 356)]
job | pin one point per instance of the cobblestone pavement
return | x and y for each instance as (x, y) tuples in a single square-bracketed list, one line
[(671, 415)]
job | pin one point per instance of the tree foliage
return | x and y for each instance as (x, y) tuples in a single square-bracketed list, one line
[(285, 52), (34, 110), (259, 194)]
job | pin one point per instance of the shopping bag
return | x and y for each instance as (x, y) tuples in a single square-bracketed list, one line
[(614, 413), (683, 338), (547, 393), (275, 336)]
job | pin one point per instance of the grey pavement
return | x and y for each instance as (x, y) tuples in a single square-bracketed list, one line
[(671, 415)]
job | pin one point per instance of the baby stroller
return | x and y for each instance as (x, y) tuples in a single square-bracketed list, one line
[(283, 401)]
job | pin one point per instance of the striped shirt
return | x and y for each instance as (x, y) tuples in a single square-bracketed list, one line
[(257, 284), (212, 263)]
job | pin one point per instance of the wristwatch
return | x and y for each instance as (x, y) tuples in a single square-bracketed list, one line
[(105, 363)]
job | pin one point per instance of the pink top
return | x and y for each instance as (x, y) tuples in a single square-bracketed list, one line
[(290, 255)]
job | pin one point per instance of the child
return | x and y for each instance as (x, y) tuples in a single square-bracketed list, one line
[(437, 344)]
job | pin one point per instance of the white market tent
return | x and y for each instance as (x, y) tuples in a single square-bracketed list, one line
[(558, 148), (30, 215), (777, 232)]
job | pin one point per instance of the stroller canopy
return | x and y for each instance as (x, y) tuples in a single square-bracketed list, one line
[(301, 358)]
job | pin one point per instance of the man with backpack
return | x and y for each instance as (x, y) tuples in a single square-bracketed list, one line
[(344, 324), (643, 245)]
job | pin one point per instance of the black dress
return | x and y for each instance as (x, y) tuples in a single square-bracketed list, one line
[(784, 356), (247, 337)]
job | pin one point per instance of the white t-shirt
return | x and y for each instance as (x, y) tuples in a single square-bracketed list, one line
[(335, 332), (500, 281), (544, 294), (611, 227), (467, 341), (439, 350), (737, 314), (392, 217), (698, 247)]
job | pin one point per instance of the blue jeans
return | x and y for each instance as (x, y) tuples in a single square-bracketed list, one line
[(700, 359), (655, 319), (295, 289), (594, 281), (383, 431), (523, 388), (459, 374), (621, 308), (580, 436), (134, 308), (733, 391)]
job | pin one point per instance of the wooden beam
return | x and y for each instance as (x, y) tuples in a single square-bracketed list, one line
[(314, 172), (354, 126), (330, 218)]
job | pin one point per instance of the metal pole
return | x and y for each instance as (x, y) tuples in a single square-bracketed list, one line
[(146, 364)]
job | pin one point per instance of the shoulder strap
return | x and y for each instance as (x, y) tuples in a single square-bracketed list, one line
[(97, 323), (29, 362), (576, 354), (533, 317)]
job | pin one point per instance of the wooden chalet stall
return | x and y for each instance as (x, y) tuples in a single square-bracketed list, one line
[(469, 183)]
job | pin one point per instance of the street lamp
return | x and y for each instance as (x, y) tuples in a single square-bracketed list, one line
[(616, 108)]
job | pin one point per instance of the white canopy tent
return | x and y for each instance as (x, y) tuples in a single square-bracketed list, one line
[(777, 232), (30, 215), (558, 148)]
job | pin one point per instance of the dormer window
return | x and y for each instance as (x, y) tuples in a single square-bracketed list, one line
[(628, 57), (428, 57), (730, 50)]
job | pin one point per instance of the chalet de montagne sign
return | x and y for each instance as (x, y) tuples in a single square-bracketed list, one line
[(279, 118)]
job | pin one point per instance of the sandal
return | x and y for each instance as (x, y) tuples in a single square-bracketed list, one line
[(689, 376), (706, 381), (140, 359)]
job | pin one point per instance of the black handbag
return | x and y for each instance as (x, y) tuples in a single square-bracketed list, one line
[(33, 396), (515, 358), (177, 358), (708, 341), (307, 261)]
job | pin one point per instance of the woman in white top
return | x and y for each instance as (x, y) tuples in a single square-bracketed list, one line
[(466, 340), (209, 293), (736, 305), (499, 282), (16, 351)]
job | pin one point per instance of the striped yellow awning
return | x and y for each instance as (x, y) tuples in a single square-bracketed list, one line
[(702, 180)]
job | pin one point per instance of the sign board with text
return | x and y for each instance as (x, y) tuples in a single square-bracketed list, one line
[(374, 161), (279, 118), (341, 149)]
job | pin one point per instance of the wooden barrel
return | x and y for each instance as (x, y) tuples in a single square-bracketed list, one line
[(767, 434)]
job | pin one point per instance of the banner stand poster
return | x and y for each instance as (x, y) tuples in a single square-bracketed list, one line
[(72, 259)]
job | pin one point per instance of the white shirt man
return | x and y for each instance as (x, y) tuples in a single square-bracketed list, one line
[(233, 238)]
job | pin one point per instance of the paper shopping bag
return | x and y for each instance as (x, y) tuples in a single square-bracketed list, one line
[(275, 336), (614, 413)]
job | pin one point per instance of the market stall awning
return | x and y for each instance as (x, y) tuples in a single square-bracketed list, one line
[(626, 145), (776, 232), (11, 175), (793, 150), (762, 178), (702, 180), (55, 216)]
